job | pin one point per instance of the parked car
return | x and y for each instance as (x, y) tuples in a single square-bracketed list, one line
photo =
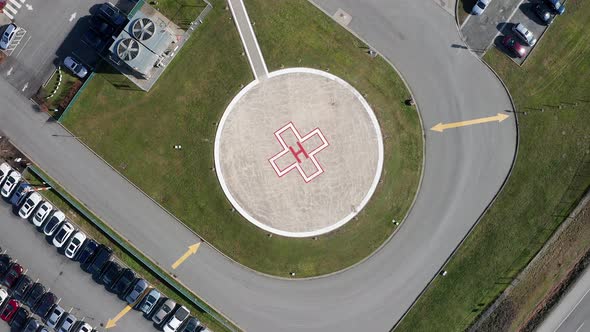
[(54, 223), (3, 296), (94, 265), (8, 35), (9, 310), (10, 183), (22, 287), (556, 6), (480, 6), (192, 325), (32, 325), (136, 291), (45, 304), (35, 294), (179, 316), (4, 263), (64, 233), (74, 245), (19, 319), (514, 46), (123, 284), (101, 26), (111, 271), (55, 315), (19, 195), (544, 13), (112, 14), (30, 204), (75, 67), (95, 40), (149, 301), (84, 327), (42, 214), (13, 273), (88, 249), (67, 323), (5, 169), (521, 31), (163, 311)]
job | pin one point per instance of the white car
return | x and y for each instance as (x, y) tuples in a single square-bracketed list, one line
[(523, 33), (42, 213), (480, 6), (3, 296), (85, 327), (75, 244), (30, 204), (4, 170), (63, 234), (11, 181), (180, 315), (53, 223), (75, 67), (8, 35)]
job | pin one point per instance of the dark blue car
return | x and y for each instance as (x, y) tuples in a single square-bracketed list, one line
[(87, 251), (556, 6)]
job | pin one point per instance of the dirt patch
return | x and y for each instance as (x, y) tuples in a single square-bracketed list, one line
[(12, 155)]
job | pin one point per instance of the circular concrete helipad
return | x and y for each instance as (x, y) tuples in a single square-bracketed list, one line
[(299, 153)]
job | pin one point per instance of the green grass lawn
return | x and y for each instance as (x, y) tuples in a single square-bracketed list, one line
[(135, 132), (552, 96)]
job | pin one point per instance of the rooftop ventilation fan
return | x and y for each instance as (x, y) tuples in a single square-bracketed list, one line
[(128, 49), (143, 29)]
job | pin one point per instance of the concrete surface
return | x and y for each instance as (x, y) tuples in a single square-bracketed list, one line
[(305, 192), (464, 168), (572, 313), (78, 292)]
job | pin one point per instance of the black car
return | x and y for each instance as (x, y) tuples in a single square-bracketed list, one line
[(112, 14), (19, 319), (96, 41), (4, 264), (101, 26), (544, 13), (110, 273), (87, 250), (45, 304), (94, 265), (32, 325), (124, 282), (191, 325), (35, 294), (22, 286)]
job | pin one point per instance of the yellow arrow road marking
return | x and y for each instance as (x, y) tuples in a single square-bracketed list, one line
[(191, 251), (498, 117), (113, 322)]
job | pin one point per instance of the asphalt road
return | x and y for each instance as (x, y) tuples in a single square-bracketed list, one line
[(572, 313), (464, 169), (65, 278)]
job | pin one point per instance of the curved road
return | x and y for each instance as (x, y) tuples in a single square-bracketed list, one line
[(464, 169)]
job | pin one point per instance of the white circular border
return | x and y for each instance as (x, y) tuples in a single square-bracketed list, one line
[(342, 221)]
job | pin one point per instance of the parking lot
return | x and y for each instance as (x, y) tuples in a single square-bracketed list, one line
[(76, 289), (499, 18), (52, 30)]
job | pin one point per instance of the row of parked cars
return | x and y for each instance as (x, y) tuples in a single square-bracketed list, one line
[(93, 257)]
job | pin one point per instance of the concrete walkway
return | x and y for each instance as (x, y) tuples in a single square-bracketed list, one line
[(248, 39), (572, 313)]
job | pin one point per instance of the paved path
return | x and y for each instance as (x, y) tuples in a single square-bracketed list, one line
[(572, 313), (248, 38), (464, 169)]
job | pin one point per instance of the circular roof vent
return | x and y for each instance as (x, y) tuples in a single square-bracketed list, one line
[(143, 29), (128, 49)]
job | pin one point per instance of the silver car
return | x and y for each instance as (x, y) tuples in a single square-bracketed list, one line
[(523, 33), (480, 6), (163, 312), (55, 316), (67, 323), (8, 35), (149, 301), (75, 67)]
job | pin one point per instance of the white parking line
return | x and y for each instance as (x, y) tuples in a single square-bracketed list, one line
[(8, 15), (16, 3), (10, 8)]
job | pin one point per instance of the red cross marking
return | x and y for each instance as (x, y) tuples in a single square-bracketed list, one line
[(298, 152)]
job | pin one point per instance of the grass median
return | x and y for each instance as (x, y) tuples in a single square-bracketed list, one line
[(552, 97), (135, 132), (59, 199)]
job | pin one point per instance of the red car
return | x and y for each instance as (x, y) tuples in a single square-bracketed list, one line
[(9, 310), (514, 46), (13, 273)]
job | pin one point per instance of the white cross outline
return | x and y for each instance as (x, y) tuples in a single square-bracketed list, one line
[(311, 154)]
